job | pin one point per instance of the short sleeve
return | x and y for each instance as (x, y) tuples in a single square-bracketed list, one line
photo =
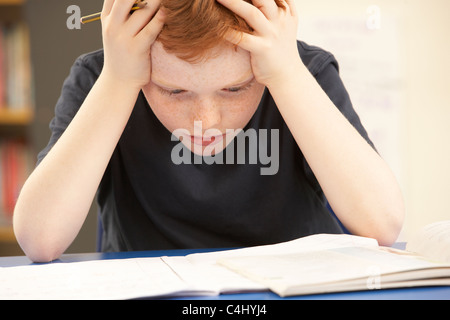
[(76, 87)]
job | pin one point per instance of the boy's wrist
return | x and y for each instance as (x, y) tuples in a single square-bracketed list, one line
[(288, 76), (116, 83)]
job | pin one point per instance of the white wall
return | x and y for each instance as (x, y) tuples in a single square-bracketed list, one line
[(395, 62)]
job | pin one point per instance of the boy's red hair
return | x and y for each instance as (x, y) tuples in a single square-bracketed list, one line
[(194, 27)]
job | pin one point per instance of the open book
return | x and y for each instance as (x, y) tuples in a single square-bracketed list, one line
[(426, 262), (314, 264)]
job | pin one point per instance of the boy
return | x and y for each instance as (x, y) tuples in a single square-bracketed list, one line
[(209, 72)]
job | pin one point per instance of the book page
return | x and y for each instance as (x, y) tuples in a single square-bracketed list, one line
[(203, 270), (314, 271), (310, 243), (104, 279), (212, 278), (433, 242)]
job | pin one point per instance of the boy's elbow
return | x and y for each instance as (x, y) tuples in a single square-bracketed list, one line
[(36, 247), (380, 219), (388, 224), (38, 251), (386, 216), (389, 235), (395, 216), (42, 256)]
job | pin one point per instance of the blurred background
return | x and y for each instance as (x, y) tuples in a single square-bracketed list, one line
[(394, 61)]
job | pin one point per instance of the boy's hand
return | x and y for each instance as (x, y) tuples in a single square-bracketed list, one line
[(273, 44), (127, 39)]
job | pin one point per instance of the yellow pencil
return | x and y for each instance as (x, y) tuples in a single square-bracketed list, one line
[(97, 16)]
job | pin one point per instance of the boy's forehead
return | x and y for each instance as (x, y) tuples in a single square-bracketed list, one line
[(226, 66)]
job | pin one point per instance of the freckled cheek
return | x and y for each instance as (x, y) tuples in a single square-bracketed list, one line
[(241, 110), (169, 113)]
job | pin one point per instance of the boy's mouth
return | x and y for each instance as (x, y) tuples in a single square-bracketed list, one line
[(205, 141)]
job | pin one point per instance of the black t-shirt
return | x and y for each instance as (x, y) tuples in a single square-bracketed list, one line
[(149, 202)]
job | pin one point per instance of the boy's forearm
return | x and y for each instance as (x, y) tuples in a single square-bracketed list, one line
[(358, 184), (56, 198)]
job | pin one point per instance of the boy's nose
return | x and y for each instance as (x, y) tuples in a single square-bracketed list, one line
[(208, 113)]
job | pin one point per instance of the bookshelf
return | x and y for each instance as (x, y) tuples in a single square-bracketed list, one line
[(23, 116), (6, 234), (16, 115), (11, 2)]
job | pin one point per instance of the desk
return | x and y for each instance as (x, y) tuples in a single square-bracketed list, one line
[(427, 293)]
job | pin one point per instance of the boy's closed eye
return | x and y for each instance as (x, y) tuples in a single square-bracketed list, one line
[(233, 89), (170, 92), (240, 88)]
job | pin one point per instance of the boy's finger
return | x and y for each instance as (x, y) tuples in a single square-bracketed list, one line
[(244, 40), (254, 17), (121, 9), (107, 6), (151, 31), (142, 16), (291, 7), (268, 7)]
